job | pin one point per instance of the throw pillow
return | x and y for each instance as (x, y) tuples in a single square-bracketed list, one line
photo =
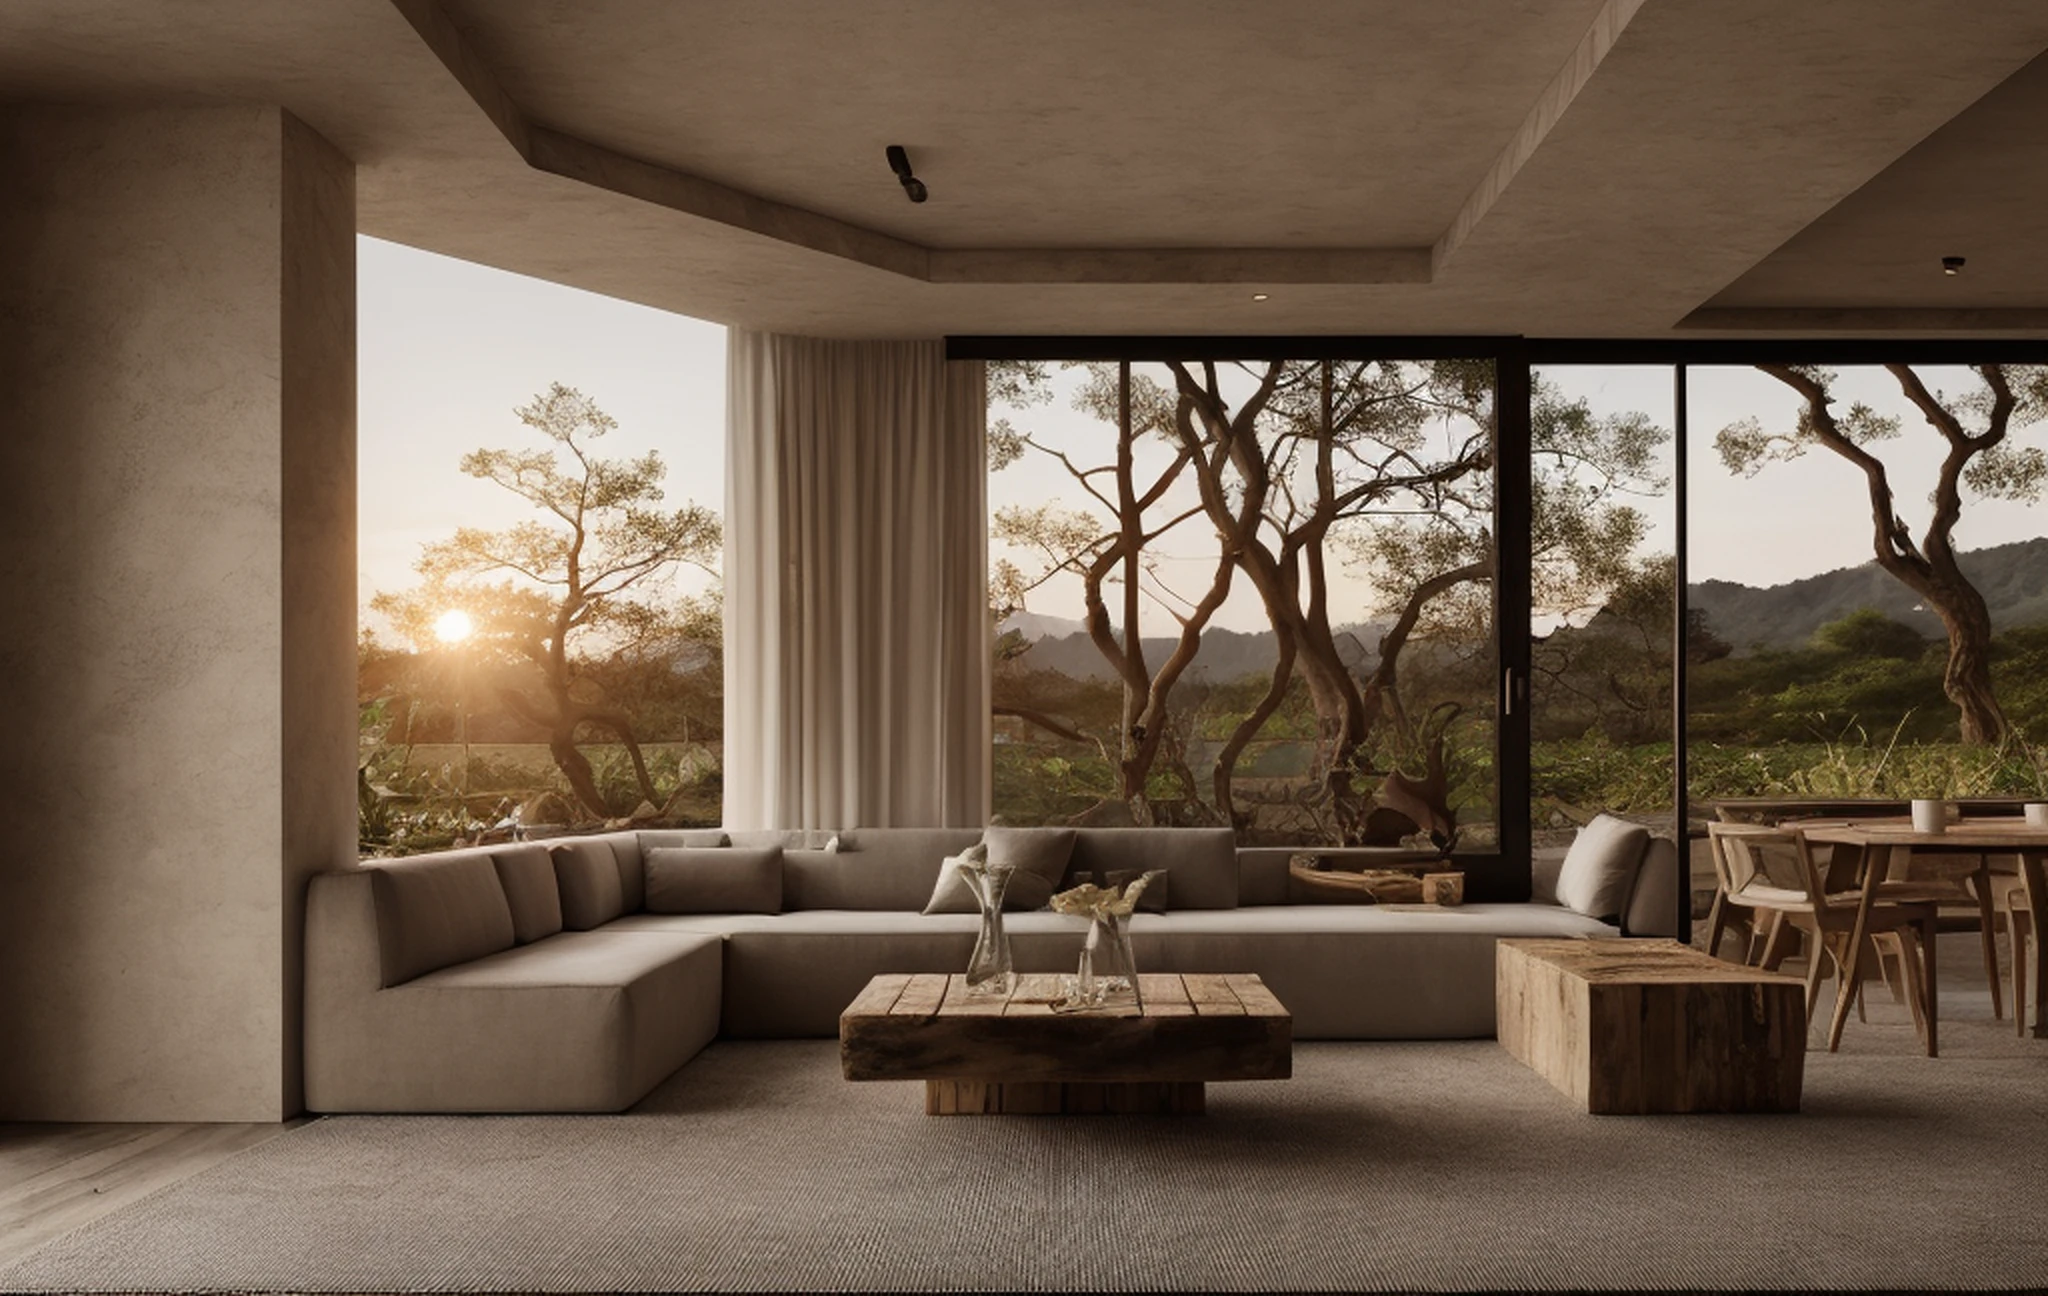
[(1040, 857), (1600, 869), (951, 894), (720, 880), (703, 838)]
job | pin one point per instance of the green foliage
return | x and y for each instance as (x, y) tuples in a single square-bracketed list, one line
[(1869, 633), (400, 809), (1864, 668), (1860, 765), (1590, 773)]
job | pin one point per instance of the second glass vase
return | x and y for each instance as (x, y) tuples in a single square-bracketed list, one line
[(1107, 971)]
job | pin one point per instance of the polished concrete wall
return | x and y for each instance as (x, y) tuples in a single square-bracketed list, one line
[(177, 549)]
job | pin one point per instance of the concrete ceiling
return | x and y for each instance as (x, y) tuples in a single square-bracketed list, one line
[(1549, 167)]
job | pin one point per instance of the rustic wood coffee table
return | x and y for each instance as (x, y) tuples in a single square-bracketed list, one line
[(988, 1055), (1636, 1027)]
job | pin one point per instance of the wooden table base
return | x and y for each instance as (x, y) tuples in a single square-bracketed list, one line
[(1039, 1098)]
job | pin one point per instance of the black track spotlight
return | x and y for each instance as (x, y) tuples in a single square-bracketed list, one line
[(1952, 265), (899, 162)]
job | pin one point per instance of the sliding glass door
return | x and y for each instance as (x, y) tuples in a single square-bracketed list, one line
[(1254, 593)]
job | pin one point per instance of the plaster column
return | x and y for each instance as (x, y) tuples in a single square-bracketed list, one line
[(177, 591)]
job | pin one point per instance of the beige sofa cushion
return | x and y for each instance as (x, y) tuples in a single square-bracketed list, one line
[(1202, 861), (583, 1021), (725, 880), (587, 873), (1653, 905), (1599, 870), (1039, 856), (527, 875), (874, 868), (632, 874), (436, 911)]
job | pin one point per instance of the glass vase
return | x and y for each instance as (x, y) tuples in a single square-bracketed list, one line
[(989, 969), (1107, 971)]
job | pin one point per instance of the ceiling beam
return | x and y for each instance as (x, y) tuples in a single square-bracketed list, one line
[(590, 163), (1869, 319), (1547, 111)]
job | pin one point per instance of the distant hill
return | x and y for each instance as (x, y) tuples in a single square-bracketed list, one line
[(2013, 579), (1226, 655)]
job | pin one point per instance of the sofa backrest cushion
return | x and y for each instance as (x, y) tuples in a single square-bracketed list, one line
[(690, 838), (874, 868), (587, 873), (723, 881), (436, 911), (1202, 861), (1545, 862), (1599, 870), (1262, 874), (527, 875), (625, 847), (1653, 903)]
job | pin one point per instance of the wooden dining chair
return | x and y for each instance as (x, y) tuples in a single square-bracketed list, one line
[(1794, 896), (2018, 921)]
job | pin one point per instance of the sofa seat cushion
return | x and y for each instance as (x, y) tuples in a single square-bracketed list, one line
[(793, 975), (689, 924), (1366, 971), (572, 959), (1493, 920), (582, 1021)]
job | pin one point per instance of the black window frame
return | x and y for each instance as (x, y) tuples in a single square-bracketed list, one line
[(1501, 874)]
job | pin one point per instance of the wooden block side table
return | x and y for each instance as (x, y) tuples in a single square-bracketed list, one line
[(1641, 1027)]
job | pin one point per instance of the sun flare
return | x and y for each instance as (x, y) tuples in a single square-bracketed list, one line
[(453, 626)]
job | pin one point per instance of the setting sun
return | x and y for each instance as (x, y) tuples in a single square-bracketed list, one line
[(453, 626)]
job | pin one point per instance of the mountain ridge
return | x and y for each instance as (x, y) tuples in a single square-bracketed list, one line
[(2012, 577)]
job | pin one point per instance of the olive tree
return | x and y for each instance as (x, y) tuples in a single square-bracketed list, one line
[(1980, 458), (580, 583)]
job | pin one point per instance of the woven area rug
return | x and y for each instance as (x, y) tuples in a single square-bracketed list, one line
[(1404, 1166)]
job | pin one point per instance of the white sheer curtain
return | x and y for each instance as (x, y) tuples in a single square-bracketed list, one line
[(856, 585)]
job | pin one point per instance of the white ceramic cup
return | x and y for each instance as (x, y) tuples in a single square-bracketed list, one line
[(1930, 816), (2037, 814)]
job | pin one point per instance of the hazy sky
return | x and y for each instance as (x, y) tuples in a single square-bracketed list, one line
[(1789, 521), (447, 349)]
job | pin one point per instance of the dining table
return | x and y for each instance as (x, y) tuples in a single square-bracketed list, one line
[(1880, 848)]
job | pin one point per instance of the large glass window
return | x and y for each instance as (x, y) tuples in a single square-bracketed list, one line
[(540, 471), (1250, 593), (1870, 582), (1603, 549)]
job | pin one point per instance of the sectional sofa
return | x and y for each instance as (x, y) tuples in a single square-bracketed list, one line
[(536, 977)]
